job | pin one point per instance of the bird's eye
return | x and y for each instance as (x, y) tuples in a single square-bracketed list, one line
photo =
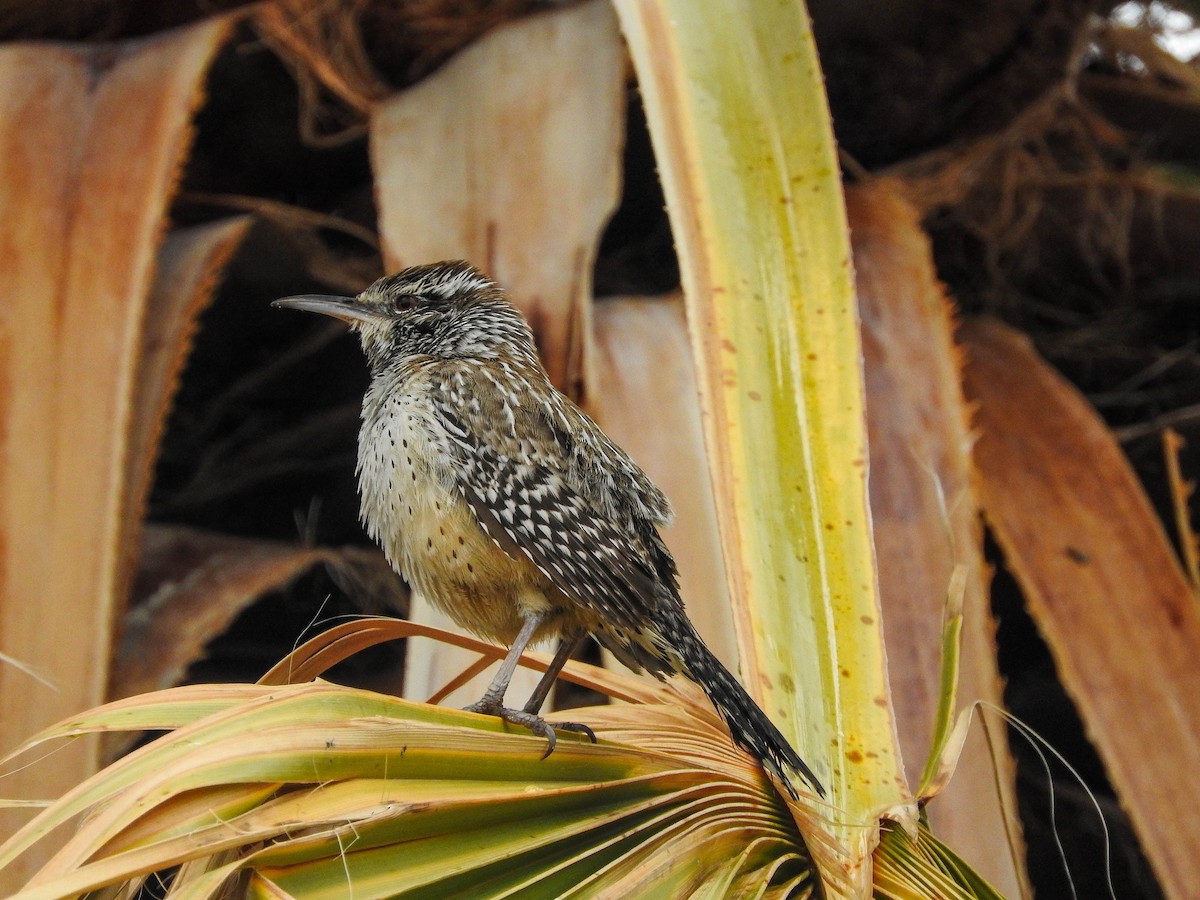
[(405, 302)]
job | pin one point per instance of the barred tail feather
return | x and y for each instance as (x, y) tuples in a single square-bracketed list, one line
[(749, 725)]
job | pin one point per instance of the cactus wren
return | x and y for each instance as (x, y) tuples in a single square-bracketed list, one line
[(504, 504)]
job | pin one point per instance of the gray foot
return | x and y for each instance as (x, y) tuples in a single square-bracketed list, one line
[(534, 723)]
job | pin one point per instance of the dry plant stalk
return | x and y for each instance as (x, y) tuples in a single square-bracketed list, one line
[(1181, 495)]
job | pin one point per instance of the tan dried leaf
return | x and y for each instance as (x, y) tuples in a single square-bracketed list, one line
[(925, 521), (1101, 581), (91, 140)]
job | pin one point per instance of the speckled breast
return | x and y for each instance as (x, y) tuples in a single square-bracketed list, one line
[(412, 506)]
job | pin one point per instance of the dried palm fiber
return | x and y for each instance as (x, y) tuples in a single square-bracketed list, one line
[(347, 54)]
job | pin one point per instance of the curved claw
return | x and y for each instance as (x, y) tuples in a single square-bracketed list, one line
[(534, 723), (552, 738), (578, 728)]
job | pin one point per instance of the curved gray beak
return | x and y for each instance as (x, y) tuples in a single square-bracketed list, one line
[(348, 309)]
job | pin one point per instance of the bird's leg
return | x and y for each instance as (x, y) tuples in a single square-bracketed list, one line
[(538, 697), (542, 691), (492, 701)]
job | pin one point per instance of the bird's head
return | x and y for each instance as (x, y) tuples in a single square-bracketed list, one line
[(448, 310)]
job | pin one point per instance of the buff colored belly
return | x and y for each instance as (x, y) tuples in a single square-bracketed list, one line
[(430, 535)]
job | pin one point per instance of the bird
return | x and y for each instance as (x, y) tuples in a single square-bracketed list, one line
[(504, 504)]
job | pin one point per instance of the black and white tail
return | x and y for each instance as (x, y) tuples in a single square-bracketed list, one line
[(750, 726)]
